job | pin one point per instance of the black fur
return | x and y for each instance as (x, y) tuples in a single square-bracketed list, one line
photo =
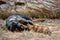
[(13, 21)]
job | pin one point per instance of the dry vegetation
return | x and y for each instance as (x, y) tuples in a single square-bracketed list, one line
[(31, 35), (34, 14)]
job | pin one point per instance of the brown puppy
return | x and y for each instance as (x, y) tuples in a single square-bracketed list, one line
[(42, 29)]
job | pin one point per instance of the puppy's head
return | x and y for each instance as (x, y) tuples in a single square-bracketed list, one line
[(47, 30)]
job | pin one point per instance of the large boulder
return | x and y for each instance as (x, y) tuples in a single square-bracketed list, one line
[(33, 8)]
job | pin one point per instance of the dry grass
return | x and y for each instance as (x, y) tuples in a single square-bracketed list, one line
[(31, 35), (34, 13)]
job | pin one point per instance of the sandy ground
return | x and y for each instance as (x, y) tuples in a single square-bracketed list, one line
[(30, 35)]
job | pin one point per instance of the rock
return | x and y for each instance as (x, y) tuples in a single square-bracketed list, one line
[(40, 8)]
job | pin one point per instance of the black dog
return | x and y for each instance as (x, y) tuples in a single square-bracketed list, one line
[(15, 21)]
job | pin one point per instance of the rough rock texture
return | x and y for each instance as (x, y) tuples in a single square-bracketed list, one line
[(39, 8)]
